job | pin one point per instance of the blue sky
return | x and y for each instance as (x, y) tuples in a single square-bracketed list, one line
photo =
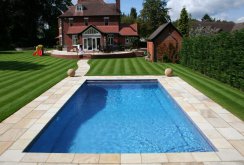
[(231, 10)]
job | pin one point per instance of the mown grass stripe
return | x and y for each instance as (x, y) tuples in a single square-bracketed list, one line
[(19, 93), (238, 103), (45, 63), (25, 85), (133, 72), (235, 93), (13, 79), (136, 67), (214, 93), (20, 76), (27, 78), (108, 67), (21, 101), (128, 68), (159, 69), (117, 67), (143, 69), (148, 66), (97, 66)]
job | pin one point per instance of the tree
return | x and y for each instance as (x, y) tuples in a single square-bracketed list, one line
[(127, 19), (154, 14), (133, 13), (206, 17), (30, 22), (183, 23)]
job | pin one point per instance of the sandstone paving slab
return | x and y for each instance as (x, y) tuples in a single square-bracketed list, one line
[(35, 157), (154, 158), (131, 158), (60, 158), (230, 134), (180, 157), (86, 158), (109, 158), (12, 156), (239, 145)]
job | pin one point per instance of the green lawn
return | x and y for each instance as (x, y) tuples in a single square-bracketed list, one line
[(124, 66), (24, 77), (230, 98)]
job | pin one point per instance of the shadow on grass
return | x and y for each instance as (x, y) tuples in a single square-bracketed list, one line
[(10, 52), (19, 66)]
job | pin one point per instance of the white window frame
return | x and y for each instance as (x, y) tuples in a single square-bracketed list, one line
[(86, 19), (71, 21), (75, 39), (91, 32), (106, 18), (79, 8), (110, 39)]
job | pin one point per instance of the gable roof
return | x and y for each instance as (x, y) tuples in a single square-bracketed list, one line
[(102, 29), (160, 29), (128, 30), (219, 26), (92, 8), (238, 26), (124, 30)]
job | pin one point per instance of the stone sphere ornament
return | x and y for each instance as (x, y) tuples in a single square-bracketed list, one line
[(71, 72), (168, 72)]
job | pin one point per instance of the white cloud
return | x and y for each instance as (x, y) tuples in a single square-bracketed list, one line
[(240, 20), (197, 8)]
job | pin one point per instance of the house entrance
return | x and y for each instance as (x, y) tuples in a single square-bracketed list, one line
[(92, 43), (91, 39)]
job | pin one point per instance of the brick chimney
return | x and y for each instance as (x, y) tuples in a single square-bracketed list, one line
[(118, 5)]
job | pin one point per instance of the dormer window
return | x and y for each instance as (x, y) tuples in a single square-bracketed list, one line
[(86, 21), (106, 21), (79, 8), (71, 21)]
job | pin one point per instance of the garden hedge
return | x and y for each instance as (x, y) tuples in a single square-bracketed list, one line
[(219, 56)]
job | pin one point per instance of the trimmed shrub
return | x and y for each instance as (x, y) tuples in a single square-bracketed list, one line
[(218, 56)]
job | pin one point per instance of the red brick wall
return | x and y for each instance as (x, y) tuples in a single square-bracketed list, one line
[(122, 40), (97, 21), (150, 50), (67, 38), (113, 20), (162, 41), (116, 39)]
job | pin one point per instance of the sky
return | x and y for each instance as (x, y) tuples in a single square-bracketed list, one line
[(231, 10)]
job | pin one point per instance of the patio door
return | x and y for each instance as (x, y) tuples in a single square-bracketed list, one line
[(91, 43), (91, 39)]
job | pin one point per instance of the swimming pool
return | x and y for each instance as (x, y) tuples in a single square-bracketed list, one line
[(120, 117)]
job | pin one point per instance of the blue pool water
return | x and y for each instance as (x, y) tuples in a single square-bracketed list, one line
[(120, 117)]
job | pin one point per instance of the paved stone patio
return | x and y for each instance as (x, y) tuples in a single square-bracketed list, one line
[(224, 130)]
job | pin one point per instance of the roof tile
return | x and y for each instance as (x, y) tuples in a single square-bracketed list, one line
[(89, 6), (128, 30)]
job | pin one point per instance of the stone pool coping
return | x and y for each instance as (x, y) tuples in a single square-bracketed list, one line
[(224, 130)]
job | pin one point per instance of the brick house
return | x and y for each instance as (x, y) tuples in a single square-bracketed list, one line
[(166, 40), (95, 25)]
